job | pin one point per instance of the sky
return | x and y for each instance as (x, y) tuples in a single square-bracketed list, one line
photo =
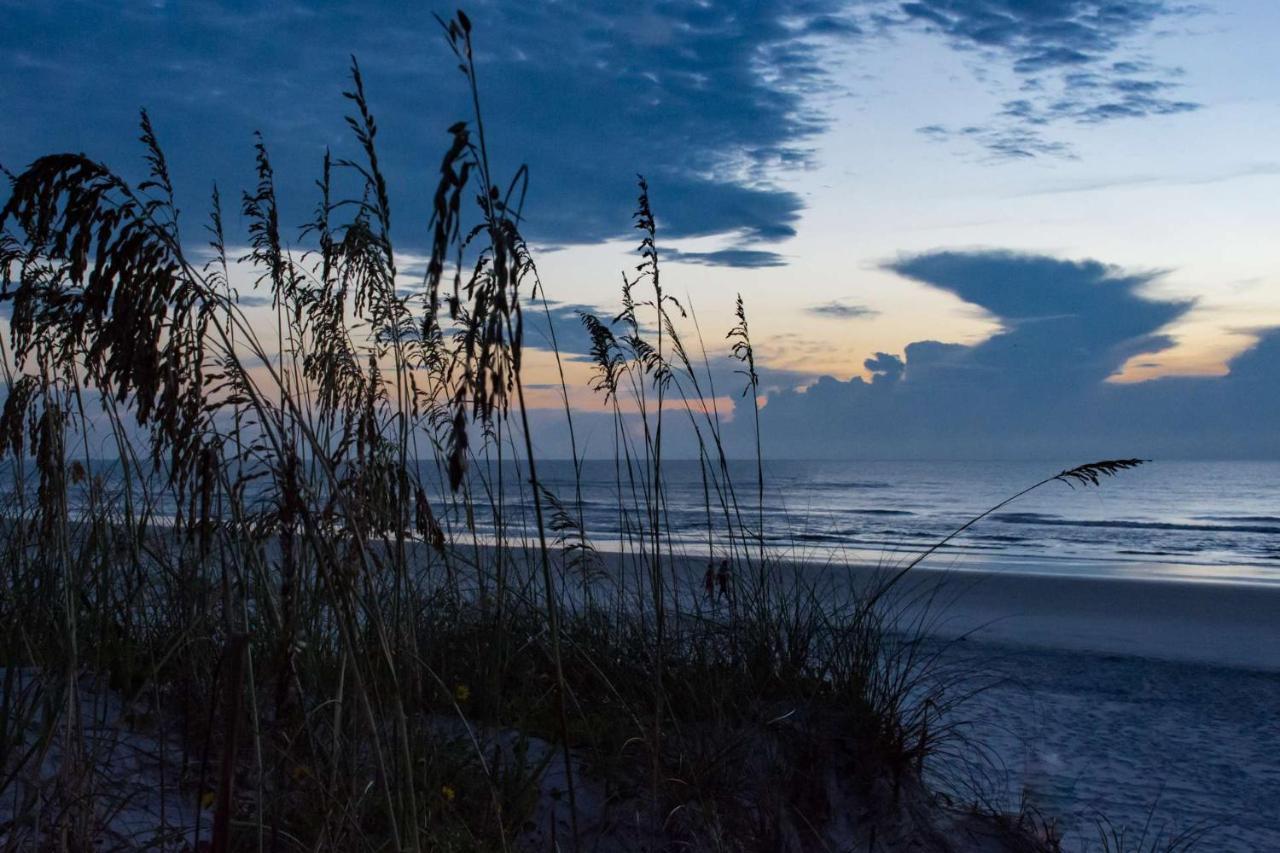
[(962, 228)]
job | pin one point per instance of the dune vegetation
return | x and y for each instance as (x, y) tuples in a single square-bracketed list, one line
[(305, 590)]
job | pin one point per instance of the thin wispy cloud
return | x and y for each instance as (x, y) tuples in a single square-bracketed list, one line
[(841, 311), (1073, 61), (1167, 180)]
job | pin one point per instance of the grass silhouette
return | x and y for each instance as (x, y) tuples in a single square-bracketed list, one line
[(284, 574)]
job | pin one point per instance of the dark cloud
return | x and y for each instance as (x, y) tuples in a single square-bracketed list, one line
[(711, 101), (708, 100), (745, 258), (884, 367), (1038, 387), (1073, 321), (842, 311), (832, 25), (560, 324), (1055, 57), (1065, 52), (253, 299), (1131, 105), (1130, 67)]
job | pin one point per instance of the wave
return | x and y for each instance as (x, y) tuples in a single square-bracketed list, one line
[(1153, 553), (1125, 524), (1258, 519), (880, 512), (835, 487)]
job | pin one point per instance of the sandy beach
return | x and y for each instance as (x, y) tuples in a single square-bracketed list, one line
[(1117, 699), (1230, 624), (1124, 699), (1104, 698), (1083, 736)]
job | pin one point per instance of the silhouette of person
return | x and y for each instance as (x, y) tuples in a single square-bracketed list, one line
[(724, 578), (709, 580)]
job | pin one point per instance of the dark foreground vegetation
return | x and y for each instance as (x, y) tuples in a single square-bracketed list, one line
[(273, 621)]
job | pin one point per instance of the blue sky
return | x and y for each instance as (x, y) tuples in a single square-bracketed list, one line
[(1089, 181)]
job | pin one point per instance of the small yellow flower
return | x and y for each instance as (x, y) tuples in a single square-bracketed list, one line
[(448, 793), (207, 799), (462, 693)]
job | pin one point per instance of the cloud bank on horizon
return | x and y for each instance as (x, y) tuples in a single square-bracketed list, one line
[(1040, 384)]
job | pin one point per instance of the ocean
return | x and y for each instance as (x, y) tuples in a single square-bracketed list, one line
[(1198, 521), (1195, 521)]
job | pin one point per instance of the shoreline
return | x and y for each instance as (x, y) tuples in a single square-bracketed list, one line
[(1144, 613), (1234, 624)]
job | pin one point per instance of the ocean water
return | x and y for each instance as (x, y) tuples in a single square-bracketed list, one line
[(1181, 519), (1197, 521)]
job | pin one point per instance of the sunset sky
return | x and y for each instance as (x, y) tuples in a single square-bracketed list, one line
[(1085, 188)]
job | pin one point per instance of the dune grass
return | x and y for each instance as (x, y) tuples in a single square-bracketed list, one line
[(321, 573)]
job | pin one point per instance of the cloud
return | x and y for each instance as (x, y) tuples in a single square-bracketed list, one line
[(1167, 180), (1066, 55), (1076, 321), (1038, 387), (743, 258), (884, 367), (1004, 142), (250, 299), (564, 328), (713, 102), (710, 101), (841, 311)]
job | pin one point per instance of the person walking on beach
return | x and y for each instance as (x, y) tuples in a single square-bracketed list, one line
[(724, 579), (709, 580)]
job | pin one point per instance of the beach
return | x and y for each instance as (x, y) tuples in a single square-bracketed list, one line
[(1084, 736), (1120, 699), (1077, 608), (910, 491), (1087, 698), (1216, 624), (1099, 698)]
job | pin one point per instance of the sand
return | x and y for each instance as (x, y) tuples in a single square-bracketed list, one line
[(1135, 700), (1084, 736), (1122, 699), (1092, 609), (1233, 625)]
